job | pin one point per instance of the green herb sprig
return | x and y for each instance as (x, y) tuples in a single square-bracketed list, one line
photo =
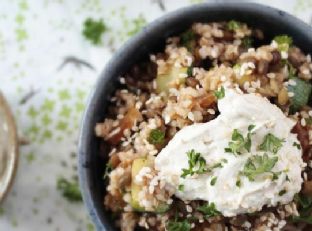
[(257, 165), (233, 25), (240, 143), (213, 181), (219, 94), (271, 143), (283, 41), (247, 42), (156, 136), (209, 210), (297, 145), (108, 169), (304, 204), (197, 164), (187, 39), (179, 225)]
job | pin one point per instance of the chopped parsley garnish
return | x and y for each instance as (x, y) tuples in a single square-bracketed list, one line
[(93, 30), (282, 192), (197, 164), (287, 178), (108, 169), (275, 175), (257, 165), (283, 41), (70, 190), (271, 143), (178, 225), (290, 67), (187, 39), (304, 205), (233, 25), (220, 93), (156, 136), (189, 71), (238, 183), (295, 144), (209, 210), (181, 187), (247, 42), (216, 165), (213, 181), (240, 143)]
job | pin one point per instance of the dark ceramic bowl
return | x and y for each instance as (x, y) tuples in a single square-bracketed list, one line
[(151, 39)]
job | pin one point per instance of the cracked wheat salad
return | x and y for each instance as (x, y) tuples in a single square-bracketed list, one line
[(214, 134)]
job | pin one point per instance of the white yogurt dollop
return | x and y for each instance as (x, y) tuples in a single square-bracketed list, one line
[(237, 111)]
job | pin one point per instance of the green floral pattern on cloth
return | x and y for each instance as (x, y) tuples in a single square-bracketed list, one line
[(45, 79)]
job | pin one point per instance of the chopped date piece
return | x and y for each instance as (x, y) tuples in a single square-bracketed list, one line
[(127, 122), (296, 57), (263, 67), (303, 137)]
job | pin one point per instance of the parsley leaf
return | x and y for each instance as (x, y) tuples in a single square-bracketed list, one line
[(295, 144), (233, 25), (276, 175), (93, 30), (290, 67), (181, 187), (209, 210), (189, 71), (70, 190), (283, 41), (156, 136), (197, 164), (238, 183), (304, 204), (187, 39), (271, 143), (220, 93), (282, 192), (251, 127), (247, 42), (240, 143), (179, 225), (257, 165), (237, 142), (213, 181), (108, 169)]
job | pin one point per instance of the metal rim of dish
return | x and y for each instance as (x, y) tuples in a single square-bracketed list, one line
[(10, 169)]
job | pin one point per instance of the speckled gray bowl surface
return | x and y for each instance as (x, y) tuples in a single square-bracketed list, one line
[(151, 39)]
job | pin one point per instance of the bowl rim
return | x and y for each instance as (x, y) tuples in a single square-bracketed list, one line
[(94, 95), (12, 169)]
